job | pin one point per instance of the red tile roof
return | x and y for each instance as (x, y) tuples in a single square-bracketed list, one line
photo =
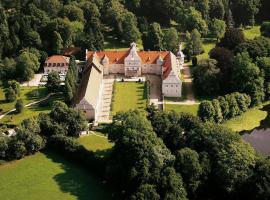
[(147, 57), (118, 57), (167, 66), (57, 59)]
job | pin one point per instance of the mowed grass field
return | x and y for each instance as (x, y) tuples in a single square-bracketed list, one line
[(27, 94), (191, 109), (48, 176), (15, 118), (96, 142), (128, 95)]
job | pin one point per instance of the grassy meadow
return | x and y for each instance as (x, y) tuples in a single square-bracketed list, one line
[(46, 176), (27, 94)]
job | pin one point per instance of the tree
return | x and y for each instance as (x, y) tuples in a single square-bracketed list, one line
[(171, 40), (188, 165), (146, 191), (231, 159), (232, 38), (32, 39), (217, 9), (15, 86), (206, 111), (19, 105), (217, 28), (52, 7), (258, 185), (27, 65), (224, 58), (206, 77), (258, 47), (153, 40), (218, 112), (194, 45), (73, 13), (58, 43), (264, 65), (16, 149), (246, 78), (192, 19), (10, 94), (53, 83), (244, 11), (130, 29)]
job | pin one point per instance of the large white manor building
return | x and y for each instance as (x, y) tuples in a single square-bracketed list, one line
[(130, 63)]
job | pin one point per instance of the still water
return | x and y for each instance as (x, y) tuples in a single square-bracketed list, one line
[(259, 137)]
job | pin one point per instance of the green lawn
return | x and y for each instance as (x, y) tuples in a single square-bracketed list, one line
[(26, 95), (128, 95), (208, 45), (192, 109), (48, 176), (96, 142), (252, 32), (15, 118), (248, 121)]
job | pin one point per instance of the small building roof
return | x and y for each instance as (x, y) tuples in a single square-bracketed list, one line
[(57, 59)]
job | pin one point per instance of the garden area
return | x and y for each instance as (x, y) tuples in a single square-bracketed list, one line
[(128, 95), (48, 175)]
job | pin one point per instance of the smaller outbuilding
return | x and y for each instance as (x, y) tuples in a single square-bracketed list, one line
[(57, 63)]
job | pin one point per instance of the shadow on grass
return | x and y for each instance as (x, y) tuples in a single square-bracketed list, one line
[(37, 93), (78, 181)]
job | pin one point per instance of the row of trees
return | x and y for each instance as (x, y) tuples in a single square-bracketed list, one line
[(224, 107)]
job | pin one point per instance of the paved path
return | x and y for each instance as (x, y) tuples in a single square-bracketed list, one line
[(188, 84), (28, 105), (106, 101), (34, 82), (155, 90)]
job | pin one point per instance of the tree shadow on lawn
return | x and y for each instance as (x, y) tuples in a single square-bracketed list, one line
[(77, 180)]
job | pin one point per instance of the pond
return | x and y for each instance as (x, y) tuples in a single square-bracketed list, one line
[(259, 137)]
